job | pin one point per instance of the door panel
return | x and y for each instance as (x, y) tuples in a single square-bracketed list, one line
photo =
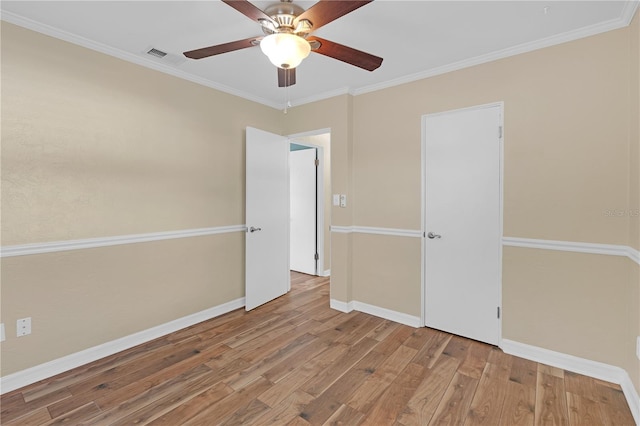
[(267, 214), (302, 166), (463, 210)]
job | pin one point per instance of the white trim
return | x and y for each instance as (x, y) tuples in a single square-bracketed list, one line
[(399, 317), (327, 273), (49, 369), (612, 24), (341, 229), (578, 365), (129, 57), (54, 246), (341, 306), (572, 246), (396, 232), (388, 314)]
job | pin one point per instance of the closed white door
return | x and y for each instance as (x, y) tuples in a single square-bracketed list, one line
[(463, 221), (267, 217), (302, 166)]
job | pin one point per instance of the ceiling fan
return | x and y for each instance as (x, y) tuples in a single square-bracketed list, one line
[(287, 41)]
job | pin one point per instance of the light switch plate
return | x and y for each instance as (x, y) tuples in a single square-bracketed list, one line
[(2, 335), (336, 199)]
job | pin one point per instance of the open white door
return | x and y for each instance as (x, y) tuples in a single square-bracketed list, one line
[(463, 221), (267, 217), (303, 210)]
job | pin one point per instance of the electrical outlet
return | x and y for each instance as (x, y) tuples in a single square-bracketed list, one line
[(23, 326), (2, 336), (343, 200)]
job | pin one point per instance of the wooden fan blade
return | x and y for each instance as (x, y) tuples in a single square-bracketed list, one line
[(205, 52), (286, 77), (248, 10), (326, 11), (346, 54)]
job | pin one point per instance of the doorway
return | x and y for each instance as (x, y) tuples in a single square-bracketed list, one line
[(462, 217), (314, 224)]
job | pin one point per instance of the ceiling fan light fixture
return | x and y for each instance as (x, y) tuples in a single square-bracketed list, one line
[(285, 50)]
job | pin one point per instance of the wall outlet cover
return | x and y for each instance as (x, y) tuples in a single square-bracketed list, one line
[(2, 335), (23, 327)]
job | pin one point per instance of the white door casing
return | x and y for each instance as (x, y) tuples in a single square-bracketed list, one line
[(462, 168), (302, 166), (267, 217)]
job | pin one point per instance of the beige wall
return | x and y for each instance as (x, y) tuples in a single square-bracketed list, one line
[(93, 146)]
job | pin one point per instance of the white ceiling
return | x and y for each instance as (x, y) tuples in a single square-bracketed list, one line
[(416, 38)]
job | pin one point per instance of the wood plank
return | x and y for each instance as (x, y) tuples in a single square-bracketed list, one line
[(318, 384), (243, 377), (344, 416), (423, 404), (614, 407), (487, 403), (583, 411), (366, 396), (36, 417), (551, 402), (396, 396), (158, 400), (475, 361), (226, 407), (455, 403), (518, 408), (524, 372), (302, 374), (434, 346), (192, 406), (285, 411)]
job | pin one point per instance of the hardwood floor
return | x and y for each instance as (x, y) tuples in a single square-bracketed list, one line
[(294, 361)]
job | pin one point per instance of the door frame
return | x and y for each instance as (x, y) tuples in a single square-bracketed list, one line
[(423, 159), (320, 205)]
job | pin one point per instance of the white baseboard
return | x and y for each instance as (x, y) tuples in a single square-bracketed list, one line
[(48, 369), (327, 273), (578, 365), (338, 305), (377, 311), (395, 316)]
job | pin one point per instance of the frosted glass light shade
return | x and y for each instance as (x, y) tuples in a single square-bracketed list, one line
[(285, 50)]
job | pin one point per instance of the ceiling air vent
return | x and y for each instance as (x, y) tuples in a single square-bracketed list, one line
[(157, 53)]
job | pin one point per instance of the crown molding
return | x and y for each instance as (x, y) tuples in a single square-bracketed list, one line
[(39, 27), (622, 21)]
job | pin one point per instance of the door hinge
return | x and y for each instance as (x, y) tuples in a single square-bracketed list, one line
[(316, 256), (317, 162), (498, 312), (500, 132)]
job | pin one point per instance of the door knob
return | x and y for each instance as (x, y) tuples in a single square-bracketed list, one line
[(252, 229), (431, 235)]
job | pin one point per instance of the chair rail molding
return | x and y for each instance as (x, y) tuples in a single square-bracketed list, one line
[(54, 246)]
